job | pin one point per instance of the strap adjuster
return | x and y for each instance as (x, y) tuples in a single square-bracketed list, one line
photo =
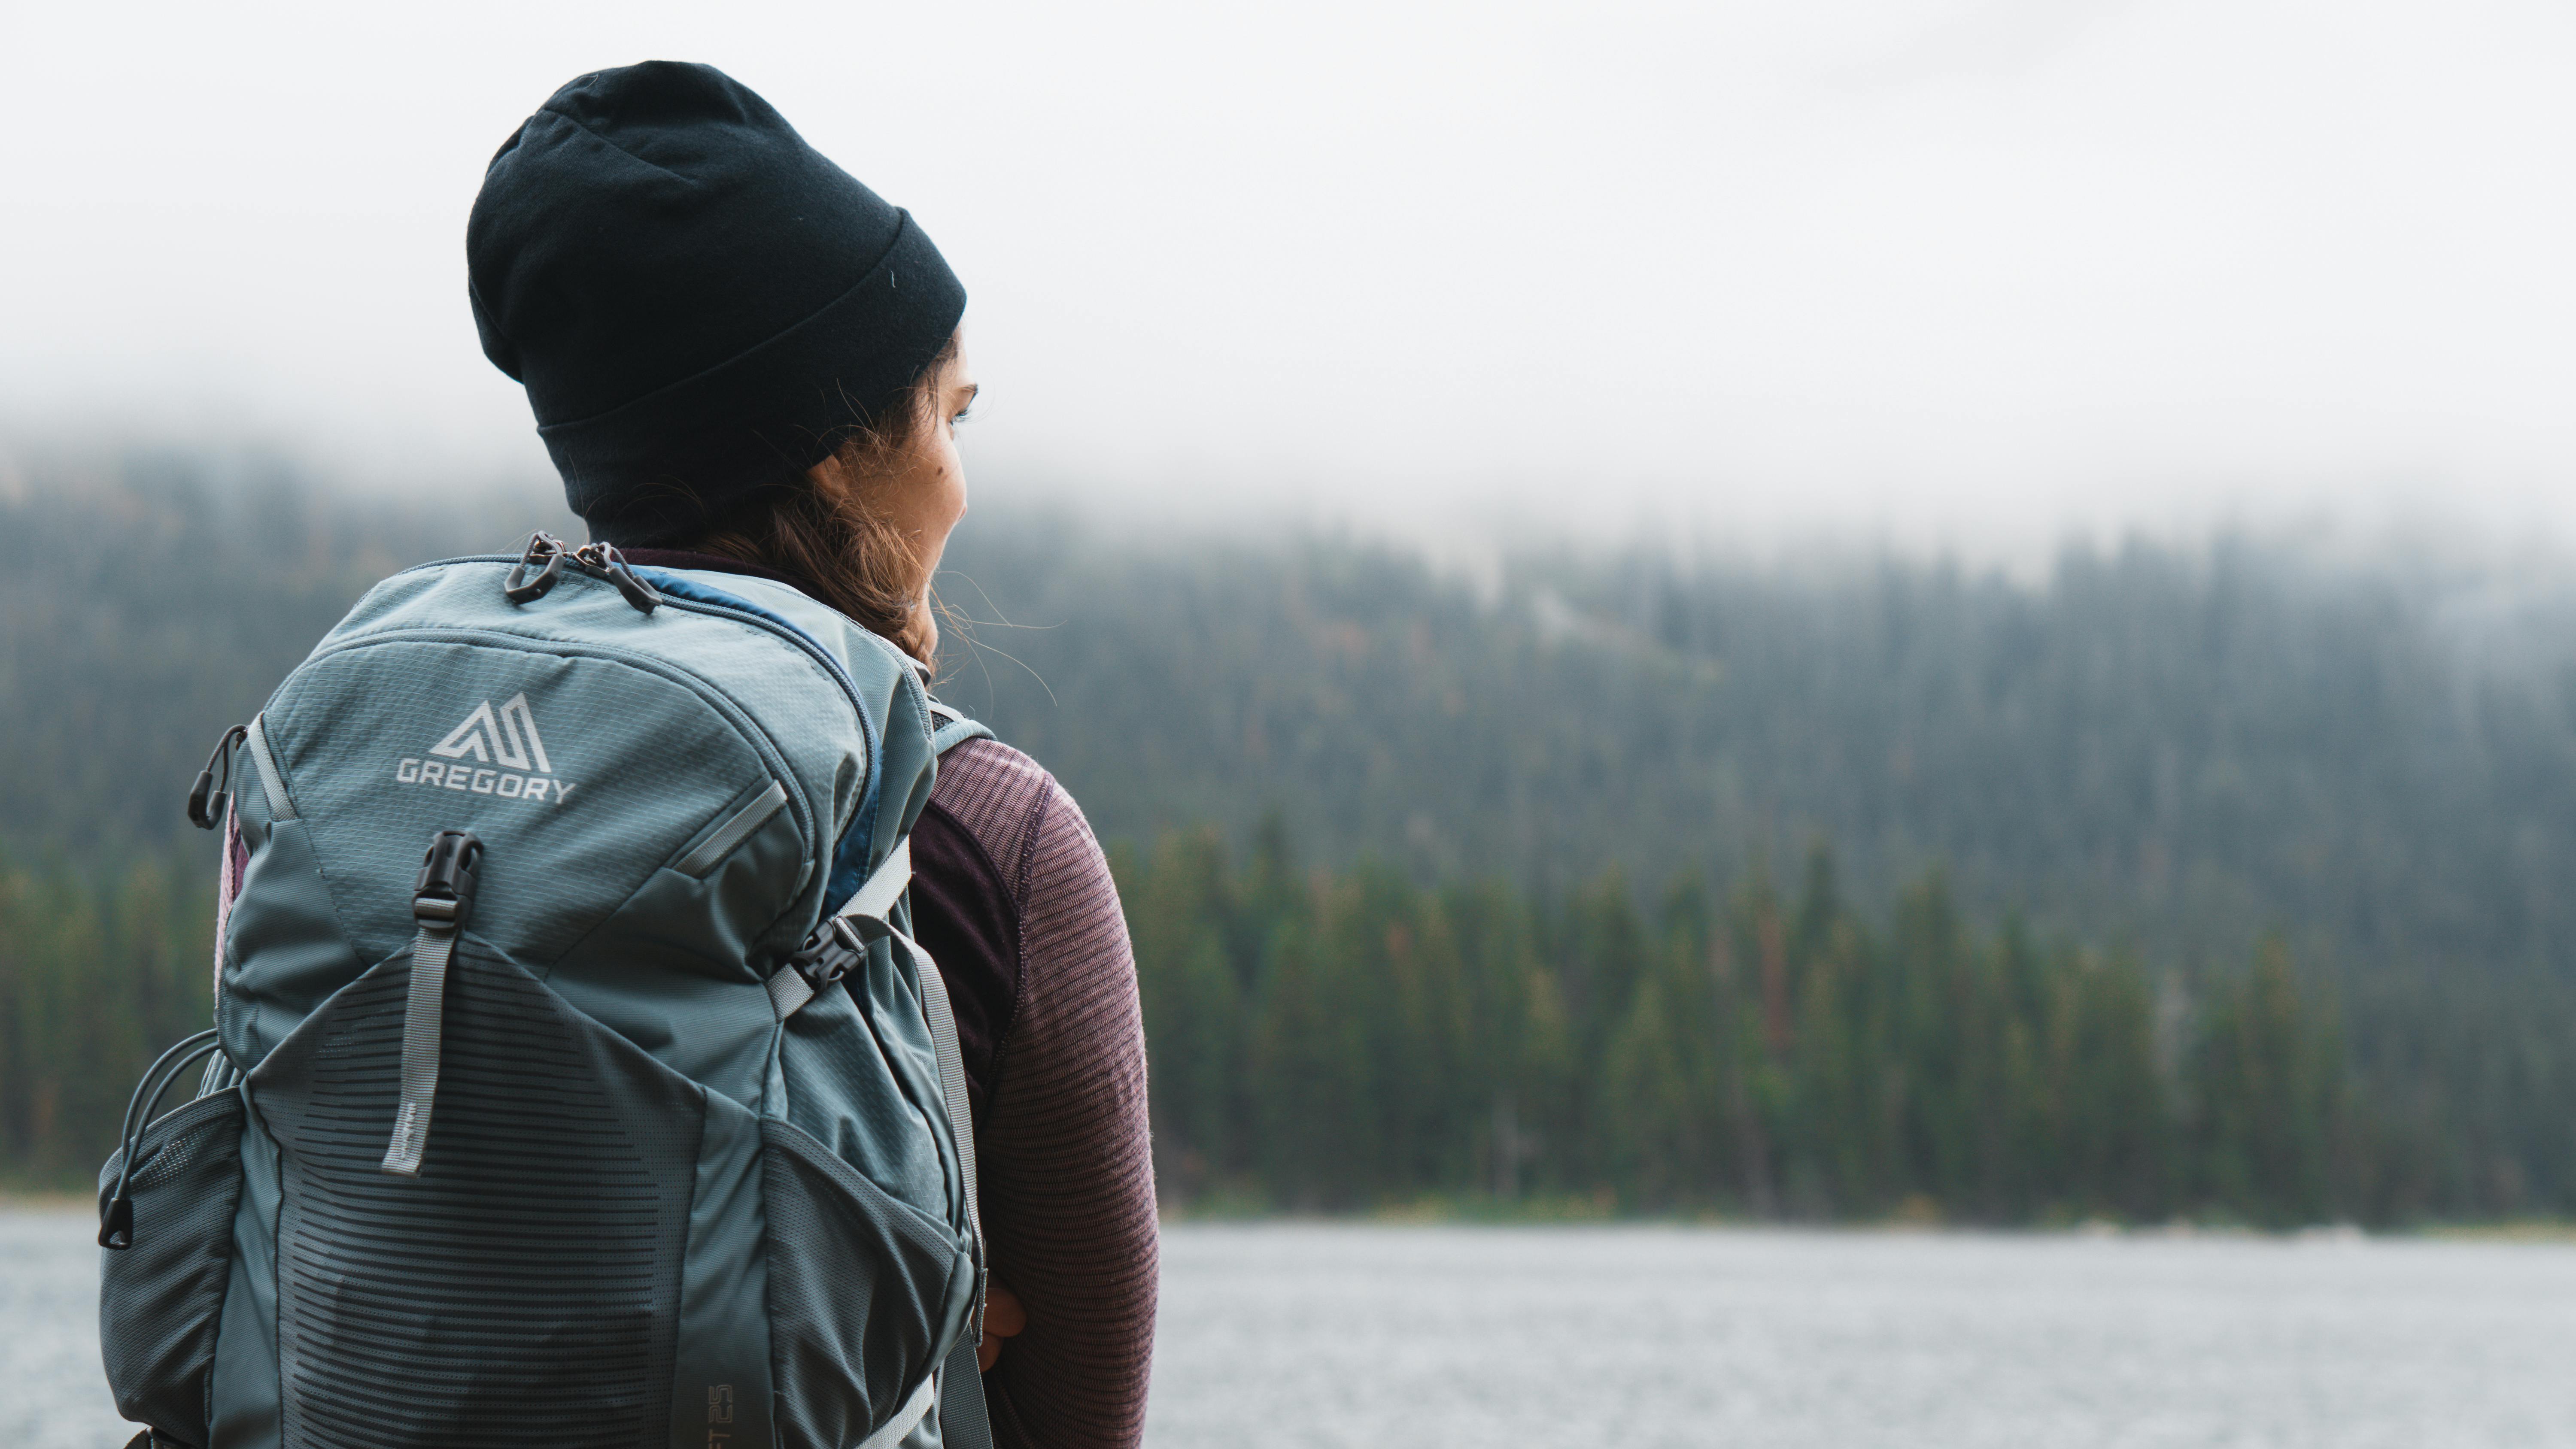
[(841, 940)]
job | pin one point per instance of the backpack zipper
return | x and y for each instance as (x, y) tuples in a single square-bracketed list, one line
[(866, 823), (870, 802), (772, 758), (611, 567)]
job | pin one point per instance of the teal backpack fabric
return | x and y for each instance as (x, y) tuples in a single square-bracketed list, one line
[(575, 1080)]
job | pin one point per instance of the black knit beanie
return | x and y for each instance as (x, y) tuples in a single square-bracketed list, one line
[(699, 303)]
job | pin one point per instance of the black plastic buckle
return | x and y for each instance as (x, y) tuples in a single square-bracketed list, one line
[(837, 946), (445, 891)]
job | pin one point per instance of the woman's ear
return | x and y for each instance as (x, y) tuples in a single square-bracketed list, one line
[(831, 477)]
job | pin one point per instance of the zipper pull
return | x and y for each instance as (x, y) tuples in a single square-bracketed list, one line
[(518, 588), (603, 561), (205, 802), (637, 592), (116, 1230)]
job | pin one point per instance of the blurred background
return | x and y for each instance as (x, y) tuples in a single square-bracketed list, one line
[(1950, 613)]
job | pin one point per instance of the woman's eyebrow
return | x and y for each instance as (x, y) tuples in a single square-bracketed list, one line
[(974, 390)]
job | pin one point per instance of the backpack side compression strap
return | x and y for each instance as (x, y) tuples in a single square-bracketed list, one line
[(963, 1420), (865, 917)]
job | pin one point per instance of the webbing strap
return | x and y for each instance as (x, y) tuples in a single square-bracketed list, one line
[(422, 1018), (270, 780), (894, 1431), (952, 1086), (874, 899), (963, 1423), (789, 991)]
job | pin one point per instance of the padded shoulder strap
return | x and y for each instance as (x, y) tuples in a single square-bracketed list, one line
[(954, 728)]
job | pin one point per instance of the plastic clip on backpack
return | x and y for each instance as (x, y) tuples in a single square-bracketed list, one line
[(629, 1113)]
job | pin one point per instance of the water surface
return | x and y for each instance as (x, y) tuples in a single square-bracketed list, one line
[(1320, 1335), (1300, 1334)]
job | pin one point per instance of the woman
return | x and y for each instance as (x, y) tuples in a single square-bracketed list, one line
[(742, 360)]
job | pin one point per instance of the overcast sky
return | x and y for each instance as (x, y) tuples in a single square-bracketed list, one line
[(1967, 272)]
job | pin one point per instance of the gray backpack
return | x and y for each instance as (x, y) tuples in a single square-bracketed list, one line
[(575, 1080)]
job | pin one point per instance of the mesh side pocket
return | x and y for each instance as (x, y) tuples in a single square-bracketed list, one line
[(864, 1292), (160, 1300)]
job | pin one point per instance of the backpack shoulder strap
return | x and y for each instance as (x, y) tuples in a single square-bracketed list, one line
[(950, 728)]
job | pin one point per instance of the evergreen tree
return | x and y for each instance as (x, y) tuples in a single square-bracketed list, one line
[(2268, 1093)]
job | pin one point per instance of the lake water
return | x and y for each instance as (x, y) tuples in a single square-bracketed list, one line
[(1301, 1334)]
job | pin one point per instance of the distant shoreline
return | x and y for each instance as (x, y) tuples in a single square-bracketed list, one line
[(2550, 1231), (1582, 1214), (17, 1199)]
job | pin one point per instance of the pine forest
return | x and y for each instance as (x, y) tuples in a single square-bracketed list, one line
[(2220, 882)]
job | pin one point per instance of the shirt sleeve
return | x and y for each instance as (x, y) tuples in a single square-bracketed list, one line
[(1067, 1162)]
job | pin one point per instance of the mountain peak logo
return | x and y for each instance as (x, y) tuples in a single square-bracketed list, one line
[(511, 733), (502, 740)]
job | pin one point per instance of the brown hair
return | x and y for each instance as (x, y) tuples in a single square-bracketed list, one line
[(830, 533)]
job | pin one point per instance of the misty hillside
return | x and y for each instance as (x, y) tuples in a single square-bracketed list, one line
[(2172, 749)]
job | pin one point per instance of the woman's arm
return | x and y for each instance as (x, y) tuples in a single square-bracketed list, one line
[(1066, 1158)]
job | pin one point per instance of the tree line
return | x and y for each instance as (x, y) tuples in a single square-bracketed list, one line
[(1349, 1038), (2168, 753), (1332, 1039), (95, 980)]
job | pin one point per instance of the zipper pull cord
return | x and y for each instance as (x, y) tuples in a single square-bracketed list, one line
[(116, 1223), (205, 802)]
